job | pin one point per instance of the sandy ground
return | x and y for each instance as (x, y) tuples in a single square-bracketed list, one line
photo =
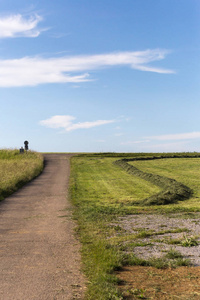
[(39, 254)]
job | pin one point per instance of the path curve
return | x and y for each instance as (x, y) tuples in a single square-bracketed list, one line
[(39, 254)]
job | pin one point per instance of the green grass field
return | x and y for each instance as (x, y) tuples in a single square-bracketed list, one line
[(17, 169), (184, 170), (102, 192)]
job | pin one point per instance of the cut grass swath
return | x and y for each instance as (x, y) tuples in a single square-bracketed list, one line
[(172, 192)]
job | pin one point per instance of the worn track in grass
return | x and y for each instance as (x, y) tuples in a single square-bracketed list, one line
[(39, 255)]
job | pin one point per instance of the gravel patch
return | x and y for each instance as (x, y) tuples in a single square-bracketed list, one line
[(158, 226)]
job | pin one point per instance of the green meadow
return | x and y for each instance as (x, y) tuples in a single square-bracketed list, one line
[(102, 191), (184, 170)]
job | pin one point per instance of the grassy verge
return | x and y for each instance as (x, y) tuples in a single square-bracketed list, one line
[(17, 169), (102, 192)]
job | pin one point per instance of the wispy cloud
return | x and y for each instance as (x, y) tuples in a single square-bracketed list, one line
[(66, 122), (165, 137), (180, 136), (19, 26), (134, 142), (31, 71), (153, 69), (168, 147)]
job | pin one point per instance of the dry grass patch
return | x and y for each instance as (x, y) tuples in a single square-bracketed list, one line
[(139, 282), (17, 169)]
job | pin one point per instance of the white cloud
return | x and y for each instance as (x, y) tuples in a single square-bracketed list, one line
[(165, 137), (152, 69), (19, 26), (181, 136), (66, 122), (58, 121), (31, 71)]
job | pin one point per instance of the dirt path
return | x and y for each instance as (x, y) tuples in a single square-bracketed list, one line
[(39, 255)]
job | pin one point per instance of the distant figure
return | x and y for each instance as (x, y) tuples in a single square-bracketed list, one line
[(21, 150), (26, 145)]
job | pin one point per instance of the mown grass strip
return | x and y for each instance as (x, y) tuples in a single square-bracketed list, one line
[(17, 169), (172, 192), (99, 257)]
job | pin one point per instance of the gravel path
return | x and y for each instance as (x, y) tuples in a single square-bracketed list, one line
[(39, 255)]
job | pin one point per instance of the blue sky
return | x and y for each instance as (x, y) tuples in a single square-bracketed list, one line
[(98, 76)]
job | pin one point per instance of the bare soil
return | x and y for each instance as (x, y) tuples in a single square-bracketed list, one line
[(140, 282), (39, 253), (150, 283)]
